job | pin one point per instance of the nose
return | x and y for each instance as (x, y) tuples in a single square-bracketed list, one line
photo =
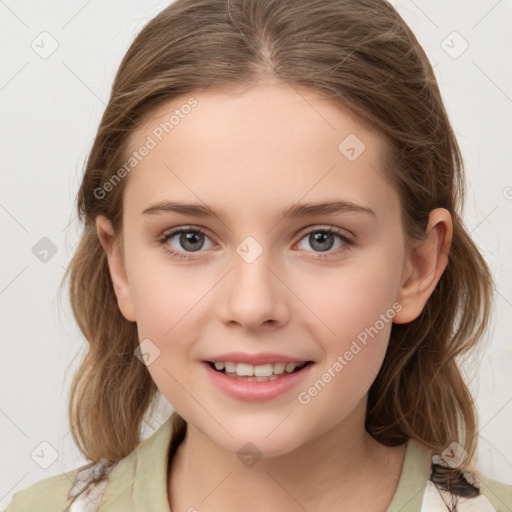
[(253, 294)]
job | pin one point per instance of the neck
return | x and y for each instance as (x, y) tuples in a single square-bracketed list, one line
[(344, 465)]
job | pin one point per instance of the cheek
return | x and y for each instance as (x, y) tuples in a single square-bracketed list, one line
[(350, 300), (357, 314), (166, 295), (170, 313), (356, 306), (169, 307)]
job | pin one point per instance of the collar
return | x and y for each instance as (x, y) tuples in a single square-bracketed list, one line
[(138, 482)]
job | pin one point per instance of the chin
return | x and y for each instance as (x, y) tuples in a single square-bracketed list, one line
[(256, 442)]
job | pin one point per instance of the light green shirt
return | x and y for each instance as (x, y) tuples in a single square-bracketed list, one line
[(138, 483)]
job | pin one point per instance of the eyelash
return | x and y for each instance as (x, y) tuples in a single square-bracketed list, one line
[(189, 256)]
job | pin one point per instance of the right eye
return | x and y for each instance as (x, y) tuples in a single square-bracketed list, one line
[(191, 239)]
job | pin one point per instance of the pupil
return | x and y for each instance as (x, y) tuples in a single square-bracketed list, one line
[(189, 240), (317, 239)]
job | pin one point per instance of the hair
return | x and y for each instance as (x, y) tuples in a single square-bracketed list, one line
[(361, 55)]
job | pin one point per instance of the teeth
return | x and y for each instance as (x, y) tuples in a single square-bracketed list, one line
[(262, 370), (230, 367), (279, 368), (290, 367)]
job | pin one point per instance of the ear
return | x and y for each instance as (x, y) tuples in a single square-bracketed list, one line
[(425, 265), (116, 264)]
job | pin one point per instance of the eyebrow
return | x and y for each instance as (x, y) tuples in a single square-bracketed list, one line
[(291, 212)]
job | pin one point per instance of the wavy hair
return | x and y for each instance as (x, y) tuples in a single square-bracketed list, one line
[(359, 54)]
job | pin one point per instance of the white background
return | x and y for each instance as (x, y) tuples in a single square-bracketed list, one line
[(50, 111)]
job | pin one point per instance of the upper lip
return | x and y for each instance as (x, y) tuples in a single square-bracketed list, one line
[(254, 359)]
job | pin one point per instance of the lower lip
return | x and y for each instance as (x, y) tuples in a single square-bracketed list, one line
[(253, 390)]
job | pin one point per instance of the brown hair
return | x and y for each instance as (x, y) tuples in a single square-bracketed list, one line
[(360, 54)]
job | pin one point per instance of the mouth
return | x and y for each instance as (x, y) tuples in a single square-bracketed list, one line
[(260, 373)]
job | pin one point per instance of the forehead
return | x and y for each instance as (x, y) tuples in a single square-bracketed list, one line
[(256, 149)]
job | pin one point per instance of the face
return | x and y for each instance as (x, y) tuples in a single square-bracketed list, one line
[(318, 285)]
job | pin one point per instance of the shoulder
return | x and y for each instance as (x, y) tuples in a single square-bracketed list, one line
[(49, 494), (88, 486), (67, 492), (498, 493)]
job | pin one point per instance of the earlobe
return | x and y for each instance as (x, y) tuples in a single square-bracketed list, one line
[(116, 264), (425, 265)]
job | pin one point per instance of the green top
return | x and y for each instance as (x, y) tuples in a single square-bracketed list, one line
[(138, 483)]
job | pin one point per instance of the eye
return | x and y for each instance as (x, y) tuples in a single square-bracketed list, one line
[(322, 240), (190, 239)]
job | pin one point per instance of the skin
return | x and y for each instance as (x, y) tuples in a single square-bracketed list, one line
[(274, 145)]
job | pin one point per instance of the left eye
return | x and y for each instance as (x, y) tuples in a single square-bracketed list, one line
[(322, 240)]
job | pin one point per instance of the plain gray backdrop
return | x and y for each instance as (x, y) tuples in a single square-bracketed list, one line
[(59, 61)]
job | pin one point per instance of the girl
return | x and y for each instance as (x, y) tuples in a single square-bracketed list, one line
[(309, 341)]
